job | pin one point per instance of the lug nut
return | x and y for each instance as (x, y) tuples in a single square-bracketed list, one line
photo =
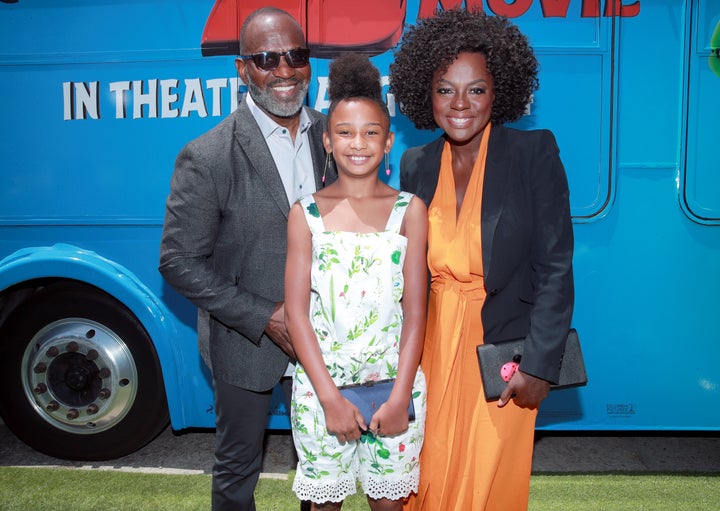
[(40, 368), (72, 346), (92, 409), (73, 414), (104, 373), (40, 388), (52, 352), (52, 406), (104, 393), (92, 355)]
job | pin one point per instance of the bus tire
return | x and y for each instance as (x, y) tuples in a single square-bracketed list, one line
[(79, 376)]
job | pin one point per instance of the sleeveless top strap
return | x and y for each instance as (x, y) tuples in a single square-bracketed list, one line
[(315, 223), (312, 214), (398, 212)]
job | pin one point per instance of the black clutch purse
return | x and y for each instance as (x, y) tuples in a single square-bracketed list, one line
[(499, 361), (370, 395)]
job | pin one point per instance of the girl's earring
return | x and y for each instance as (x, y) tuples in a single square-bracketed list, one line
[(387, 165), (327, 162)]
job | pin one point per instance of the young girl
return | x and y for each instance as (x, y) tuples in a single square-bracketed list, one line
[(355, 291)]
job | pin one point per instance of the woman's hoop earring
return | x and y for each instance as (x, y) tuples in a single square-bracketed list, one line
[(387, 165)]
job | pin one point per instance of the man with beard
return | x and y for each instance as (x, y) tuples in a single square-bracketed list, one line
[(225, 237)]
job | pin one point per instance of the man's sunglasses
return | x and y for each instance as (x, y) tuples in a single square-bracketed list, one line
[(269, 60)]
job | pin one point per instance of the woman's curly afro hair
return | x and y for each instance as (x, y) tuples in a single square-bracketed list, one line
[(353, 76), (434, 43)]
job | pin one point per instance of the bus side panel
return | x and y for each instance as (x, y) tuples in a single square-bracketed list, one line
[(99, 99)]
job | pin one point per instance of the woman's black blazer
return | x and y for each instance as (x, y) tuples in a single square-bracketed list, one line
[(527, 240)]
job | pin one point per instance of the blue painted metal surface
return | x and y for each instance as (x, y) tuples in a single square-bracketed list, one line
[(97, 100)]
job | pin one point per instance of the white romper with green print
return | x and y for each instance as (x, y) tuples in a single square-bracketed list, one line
[(356, 285)]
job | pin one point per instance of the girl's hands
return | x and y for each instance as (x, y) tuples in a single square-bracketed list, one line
[(343, 419), (390, 419)]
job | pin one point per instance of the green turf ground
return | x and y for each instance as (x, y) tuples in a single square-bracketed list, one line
[(51, 489)]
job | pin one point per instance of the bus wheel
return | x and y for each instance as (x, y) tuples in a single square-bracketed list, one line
[(79, 377)]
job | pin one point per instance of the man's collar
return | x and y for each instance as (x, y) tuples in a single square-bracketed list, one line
[(267, 125)]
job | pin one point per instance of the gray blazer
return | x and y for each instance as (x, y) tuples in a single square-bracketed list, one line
[(224, 244), (527, 240)]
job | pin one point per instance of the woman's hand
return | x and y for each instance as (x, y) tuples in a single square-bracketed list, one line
[(525, 390)]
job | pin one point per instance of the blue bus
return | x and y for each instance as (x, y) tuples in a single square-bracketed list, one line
[(98, 355)]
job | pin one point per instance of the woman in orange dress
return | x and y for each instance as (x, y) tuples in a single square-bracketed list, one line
[(500, 250)]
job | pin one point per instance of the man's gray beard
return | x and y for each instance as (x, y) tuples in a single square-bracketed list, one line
[(277, 108)]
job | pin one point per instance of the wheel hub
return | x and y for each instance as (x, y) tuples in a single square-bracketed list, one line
[(79, 375), (74, 379)]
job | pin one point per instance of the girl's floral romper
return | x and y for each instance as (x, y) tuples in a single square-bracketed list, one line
[(356, 287)]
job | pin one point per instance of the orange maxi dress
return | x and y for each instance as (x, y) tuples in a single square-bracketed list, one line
[(476, 456)]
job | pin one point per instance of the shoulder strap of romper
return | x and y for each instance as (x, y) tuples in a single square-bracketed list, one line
[(312, 214), (398, 212)]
